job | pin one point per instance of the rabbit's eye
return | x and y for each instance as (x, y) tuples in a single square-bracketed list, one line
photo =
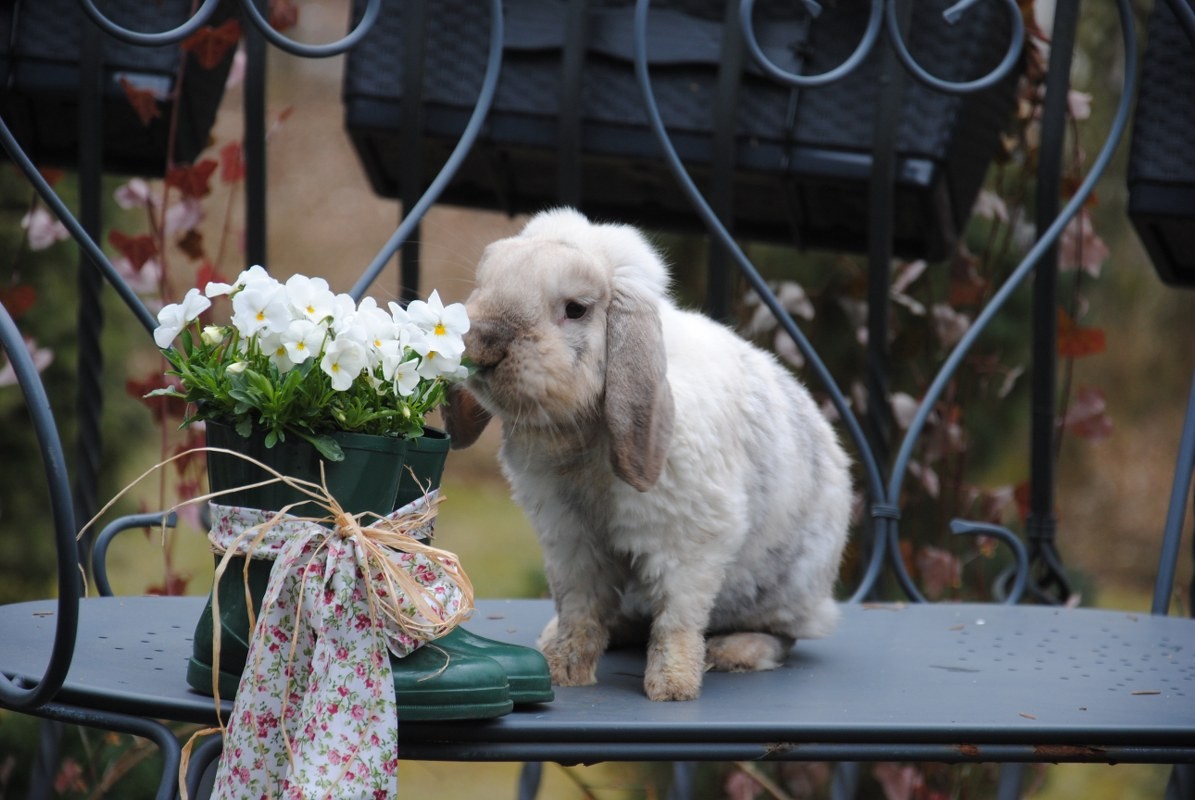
[(575, 310)]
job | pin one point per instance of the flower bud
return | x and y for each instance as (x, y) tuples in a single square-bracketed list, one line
[(212, 335), (237, 367)]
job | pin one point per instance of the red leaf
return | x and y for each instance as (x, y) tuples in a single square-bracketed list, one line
[(939, 570), (1021, 495), (192, 180), (137, 249), (210, 45), (51, 175), (174, 585), (191, 243), (70, 777), (1076, 341), (194, 439), (18, 299), (143, 101), (232, 162), (284, 14)]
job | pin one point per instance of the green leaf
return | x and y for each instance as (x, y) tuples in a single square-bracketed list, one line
[(328, 447)]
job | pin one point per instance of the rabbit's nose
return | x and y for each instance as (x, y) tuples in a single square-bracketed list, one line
[(488, 340)]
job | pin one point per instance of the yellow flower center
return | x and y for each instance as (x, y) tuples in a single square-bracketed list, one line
[(440, 330)]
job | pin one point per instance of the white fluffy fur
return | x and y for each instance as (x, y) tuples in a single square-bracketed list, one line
[(738, 541)]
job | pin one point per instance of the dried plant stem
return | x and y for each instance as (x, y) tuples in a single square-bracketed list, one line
[(766, 783)]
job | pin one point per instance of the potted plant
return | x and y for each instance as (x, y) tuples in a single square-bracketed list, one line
[(318, 387)]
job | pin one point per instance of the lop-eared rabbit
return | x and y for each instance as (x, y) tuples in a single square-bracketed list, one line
[(686, 490)]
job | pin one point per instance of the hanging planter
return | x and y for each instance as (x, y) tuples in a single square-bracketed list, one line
[(568, 122), (1161, 173), (42, 70)]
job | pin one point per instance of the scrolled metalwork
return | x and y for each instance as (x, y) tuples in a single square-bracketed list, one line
[(867, 43), (1019, 573), (952, 15), (99, 551), (21, 696), (172, 36), (884, 16)]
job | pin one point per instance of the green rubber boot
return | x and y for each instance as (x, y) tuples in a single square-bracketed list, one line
[(431, 683), (526, 669)]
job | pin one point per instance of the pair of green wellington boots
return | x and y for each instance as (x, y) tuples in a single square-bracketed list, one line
[(458, 676)]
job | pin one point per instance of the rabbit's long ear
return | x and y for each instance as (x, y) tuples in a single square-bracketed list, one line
[(639, 407), (464, 418)]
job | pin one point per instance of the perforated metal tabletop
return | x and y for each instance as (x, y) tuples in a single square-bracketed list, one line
[(940, 682)]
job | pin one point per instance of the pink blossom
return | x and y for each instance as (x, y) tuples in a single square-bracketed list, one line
[(990, 205), (1078, 104), (184, 215), (43, 228), (134, 194), (1080, 247), (42, 358)]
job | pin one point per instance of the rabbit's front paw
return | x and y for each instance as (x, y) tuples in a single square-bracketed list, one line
[(675, 663), (572, 654)]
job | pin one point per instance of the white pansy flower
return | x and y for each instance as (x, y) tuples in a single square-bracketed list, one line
[(344, 312), (303, 340), (444, 326), (310, 298), (261, 305), (176, 316), (376, 326), (218, 289), (343, 361), (401, 318), (253, 274), (406, 377), (434, 363), (275, 348)]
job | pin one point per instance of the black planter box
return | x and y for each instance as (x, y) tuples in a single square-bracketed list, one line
[(802, 158), (1161, 173), (40, 46)]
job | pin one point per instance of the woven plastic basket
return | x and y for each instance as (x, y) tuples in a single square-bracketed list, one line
[(801, 159), (40, 46), (1161, 173)]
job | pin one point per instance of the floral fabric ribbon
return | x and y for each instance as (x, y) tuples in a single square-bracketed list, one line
[(315, 712)]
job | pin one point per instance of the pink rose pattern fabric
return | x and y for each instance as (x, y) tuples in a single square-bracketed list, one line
[(315, 712)]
